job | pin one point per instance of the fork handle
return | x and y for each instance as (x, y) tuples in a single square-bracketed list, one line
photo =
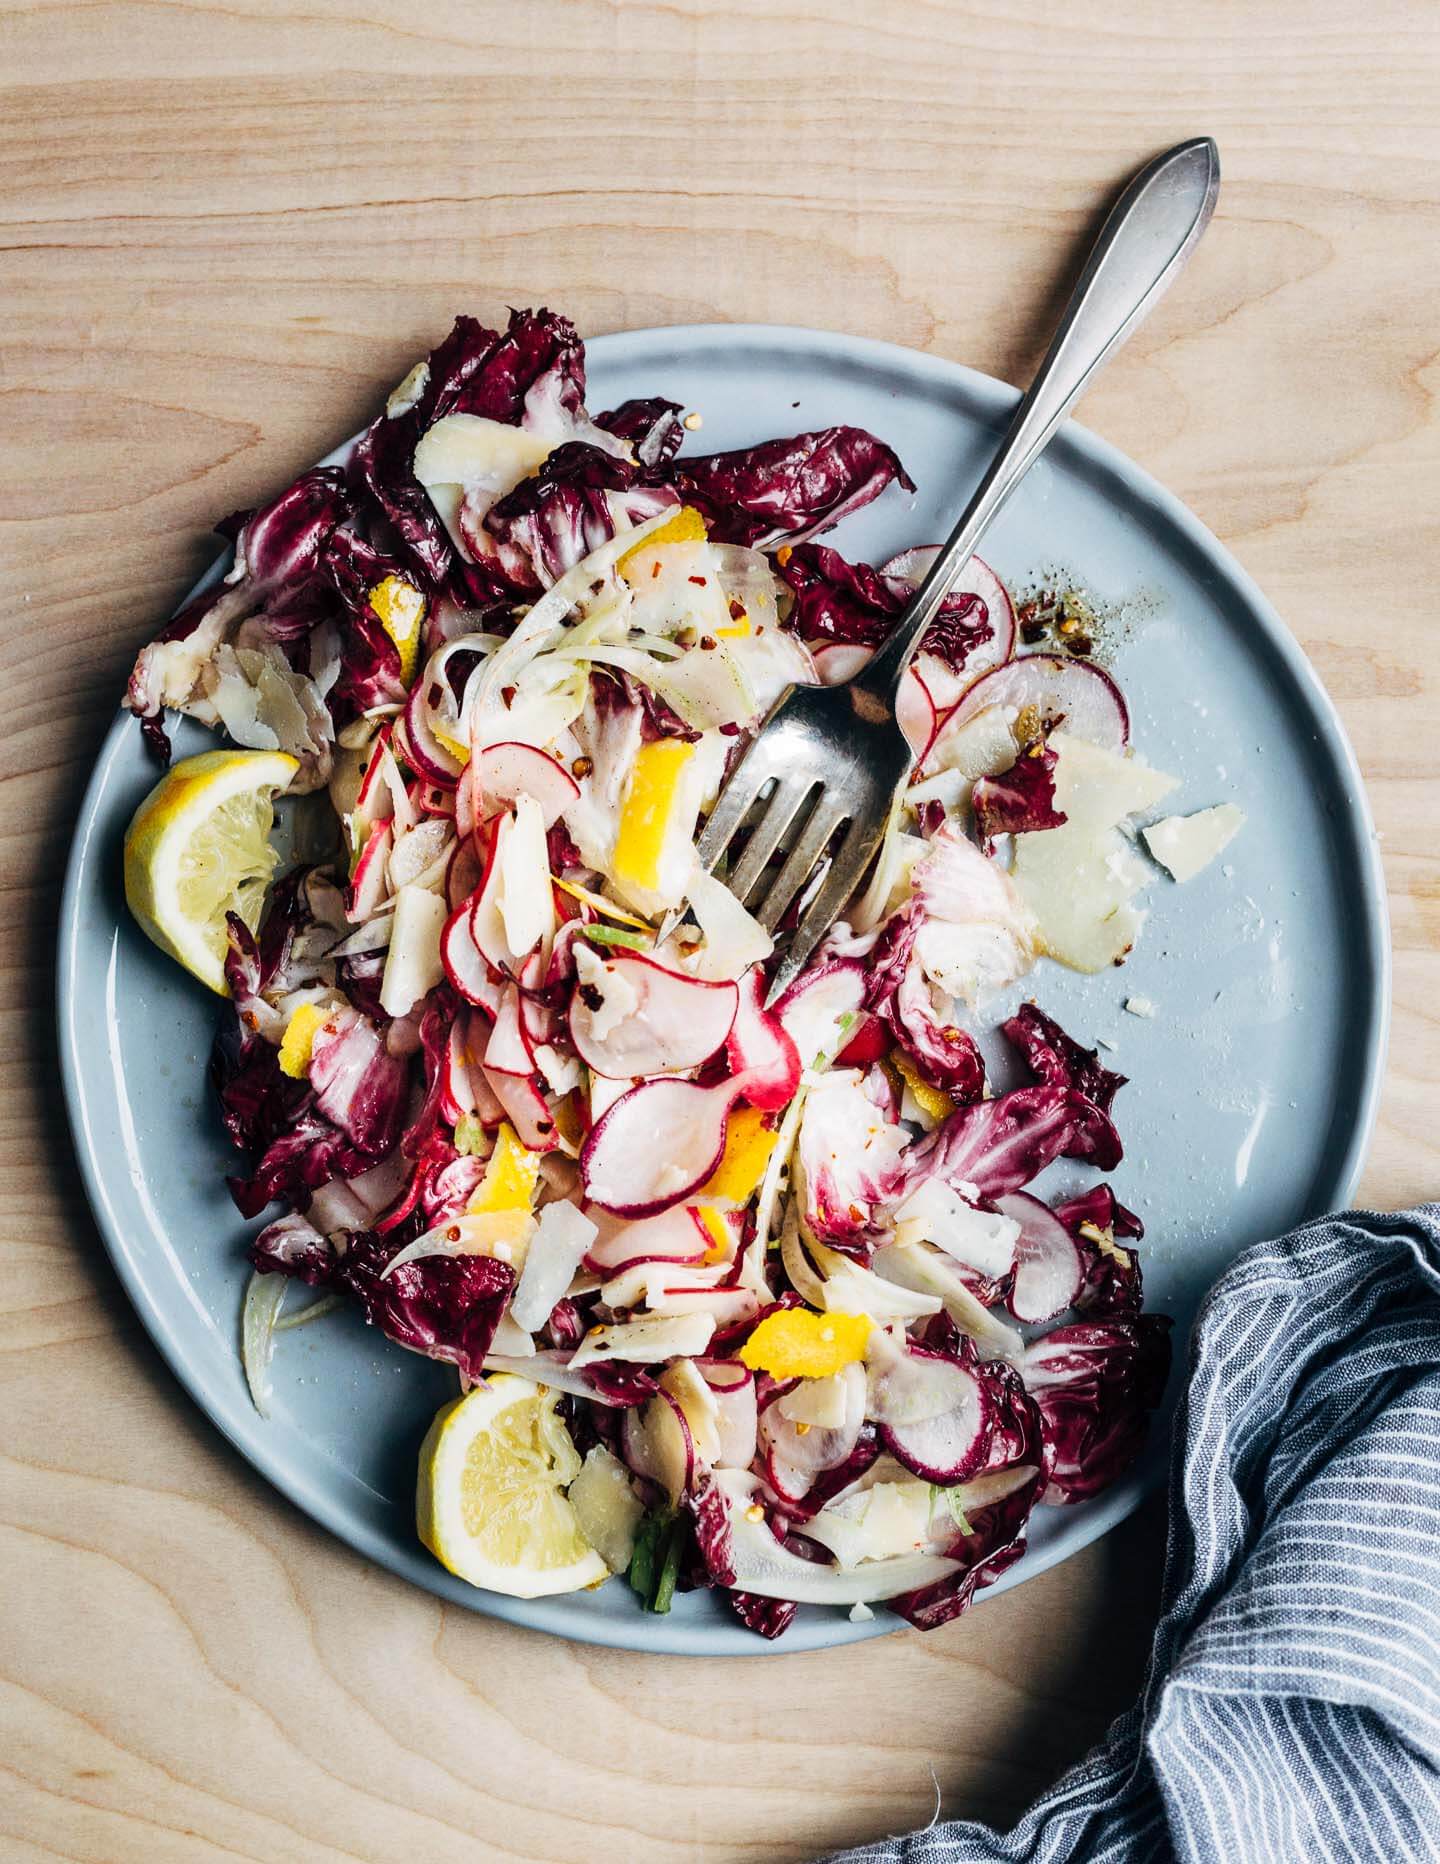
[(1142, 245)]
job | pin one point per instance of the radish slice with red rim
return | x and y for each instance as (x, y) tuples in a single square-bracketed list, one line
[(934, 1415), (675, 1235), (1075, 693), (1049, 1269), (656, 1146), (737, 1413), (765, 1061), (525, 1108), (814, 1008), (507, 1051), (464, 962), (505, 772), (839, 661), (368, 883), (630, 1015), (421, 747), (977, 578)]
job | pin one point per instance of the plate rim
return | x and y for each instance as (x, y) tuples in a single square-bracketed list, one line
[(560, 1616)]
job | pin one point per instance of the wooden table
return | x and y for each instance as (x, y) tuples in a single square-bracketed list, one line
[(225, 229)]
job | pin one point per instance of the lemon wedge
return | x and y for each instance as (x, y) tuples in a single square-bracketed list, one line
[(198, 847), (401, 609), (490, 1500)]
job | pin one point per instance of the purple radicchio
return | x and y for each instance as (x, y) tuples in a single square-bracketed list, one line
[(787, 489), (569, 508), (1096, 1383), (857, 605), (999, 1145), (446, 1307), (997, 1499), (532, 375), (279, 551), (1021, 799), (1054, 1057), (1112, 1281), (652, 426)]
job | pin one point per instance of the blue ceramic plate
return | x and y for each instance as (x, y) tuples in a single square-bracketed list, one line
[(1253, 1085)]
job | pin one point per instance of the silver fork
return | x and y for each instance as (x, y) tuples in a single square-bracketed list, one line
[(835, 754)]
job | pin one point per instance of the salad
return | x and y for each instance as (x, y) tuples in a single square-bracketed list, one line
[(744, 1297)]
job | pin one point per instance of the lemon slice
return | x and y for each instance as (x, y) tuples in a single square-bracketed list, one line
[(490, 1502), (198, 847)]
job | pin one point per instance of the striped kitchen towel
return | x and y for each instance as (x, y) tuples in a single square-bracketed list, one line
[(1291, 1710)]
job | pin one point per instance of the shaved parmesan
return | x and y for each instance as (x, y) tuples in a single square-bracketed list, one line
[(1080, 880), (1186, 844)]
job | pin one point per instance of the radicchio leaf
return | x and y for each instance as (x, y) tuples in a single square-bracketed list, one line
[(652, 426), (787, 488), (1096, 1383), (1021, 799), (996, 1532), (560, 514), (446, 1307), (768, 1617), (854, 603), (1054, 1057), (999, 1145), (1112, 1284)]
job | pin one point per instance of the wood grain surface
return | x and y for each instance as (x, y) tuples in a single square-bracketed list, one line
[(223, 229)]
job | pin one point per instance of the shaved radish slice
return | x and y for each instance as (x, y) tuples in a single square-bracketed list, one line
[(736, 1411), (1049, 1269), (656, 1146), (506, 772), (464, 962), (412, 961), (760, 1050), (526, 898), (977, 578), (916, 712), (507, 1052), (934, 1415), (796, 1453), (815, 1012), (1076, 692), (526, 1109), (368, 883), (630, 1016), (464, 1089), (657, 1444), (421, 747), (675, 1235), (839, 661)]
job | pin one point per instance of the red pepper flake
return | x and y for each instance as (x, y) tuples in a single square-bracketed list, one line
[(699, 581), (582, 767), (250, 1019), (434, 695), (544, 1126), (507, 695), (654, 571), (737, 609), (452, 1235), (708, 642)]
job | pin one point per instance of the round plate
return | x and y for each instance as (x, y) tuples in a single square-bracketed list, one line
[(1253, 1083)]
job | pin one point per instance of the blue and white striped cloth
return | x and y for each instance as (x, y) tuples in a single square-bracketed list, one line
[(1291, 1711)]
